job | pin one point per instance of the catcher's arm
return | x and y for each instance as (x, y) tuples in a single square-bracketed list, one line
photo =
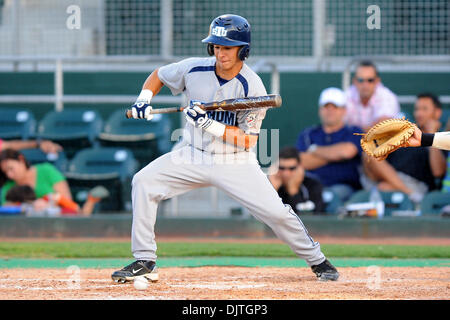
[(439, 140)]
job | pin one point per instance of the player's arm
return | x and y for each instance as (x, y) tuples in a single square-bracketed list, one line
[(141, 109), (439, 140), (153, 83), (230, 134), (237, 137)]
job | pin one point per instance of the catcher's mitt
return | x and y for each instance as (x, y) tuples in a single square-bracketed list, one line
[(386, 136)]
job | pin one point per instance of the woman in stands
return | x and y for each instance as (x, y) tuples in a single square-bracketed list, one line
[(47, 182), (44, 178)]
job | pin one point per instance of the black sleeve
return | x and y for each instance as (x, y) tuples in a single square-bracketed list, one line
[(427, 139)]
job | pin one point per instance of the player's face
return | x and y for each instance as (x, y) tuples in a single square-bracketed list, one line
[(424, 111), (226, 57), (287, 168), (331, 115), (365, 81), (13, 169)]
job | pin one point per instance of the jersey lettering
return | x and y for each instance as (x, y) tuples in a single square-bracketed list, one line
[(225, 117)]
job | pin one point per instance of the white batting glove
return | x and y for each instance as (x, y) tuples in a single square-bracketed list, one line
[(199, 119), (142, 109)]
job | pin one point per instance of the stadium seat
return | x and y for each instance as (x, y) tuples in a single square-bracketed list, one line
[(394, 201), (74, 129), (146, 139), (434, 201), (331, 200), (16, 124), (112, 168), (35, 155)]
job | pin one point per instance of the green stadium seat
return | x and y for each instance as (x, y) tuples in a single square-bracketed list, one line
[(35, 155), (16, 123), (394, 201), (146, 139), (112, 168), (434, 201), (359, 196), (74, 129)]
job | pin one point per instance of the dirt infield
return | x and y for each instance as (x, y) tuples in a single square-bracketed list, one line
[(229, 283)]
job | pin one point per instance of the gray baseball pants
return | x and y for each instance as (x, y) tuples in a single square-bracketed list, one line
[(238, 175)]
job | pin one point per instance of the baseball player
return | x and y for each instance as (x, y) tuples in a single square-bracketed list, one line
[(439, 140), (217, 149)]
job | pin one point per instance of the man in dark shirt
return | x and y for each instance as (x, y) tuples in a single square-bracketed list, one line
[(302, 193), (330, 150)]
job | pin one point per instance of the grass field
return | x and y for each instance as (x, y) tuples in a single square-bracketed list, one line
[(198, 249)]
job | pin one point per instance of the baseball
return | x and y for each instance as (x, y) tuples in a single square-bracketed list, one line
[(141, 283)]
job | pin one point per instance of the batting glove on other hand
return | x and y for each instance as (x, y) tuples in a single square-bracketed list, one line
[(197, 116), (141, 110)]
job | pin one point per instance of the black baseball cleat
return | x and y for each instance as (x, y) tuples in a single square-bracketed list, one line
[(138, 268), (325, 271)]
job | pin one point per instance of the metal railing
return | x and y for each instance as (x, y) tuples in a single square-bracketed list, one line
[(91, 64)]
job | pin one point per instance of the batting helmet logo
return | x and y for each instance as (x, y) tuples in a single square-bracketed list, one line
[(219, 31)]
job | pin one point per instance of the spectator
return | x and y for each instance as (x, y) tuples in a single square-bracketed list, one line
[(45, 145), (44, 178), (24, 194), (446, 180), (296, 189), (412, 170), (368, 100), (331, 150)]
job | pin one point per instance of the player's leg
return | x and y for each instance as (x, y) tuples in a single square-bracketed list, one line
[(169, 175), (250, 186)]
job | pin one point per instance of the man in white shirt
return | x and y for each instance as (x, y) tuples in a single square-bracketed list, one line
[(368, 100)]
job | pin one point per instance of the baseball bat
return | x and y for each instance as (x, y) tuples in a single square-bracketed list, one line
[(272, 101)]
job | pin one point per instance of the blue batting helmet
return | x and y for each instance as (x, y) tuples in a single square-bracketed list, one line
[(229, 30)]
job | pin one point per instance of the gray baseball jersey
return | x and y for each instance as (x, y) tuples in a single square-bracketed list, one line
[(244, 181), (196, 77)]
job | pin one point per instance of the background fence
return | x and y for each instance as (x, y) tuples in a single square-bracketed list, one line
[(305, 28)]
